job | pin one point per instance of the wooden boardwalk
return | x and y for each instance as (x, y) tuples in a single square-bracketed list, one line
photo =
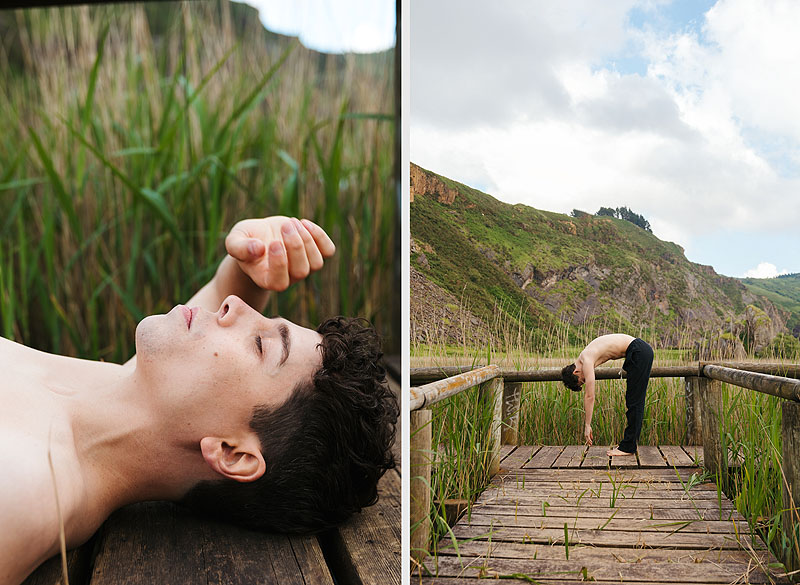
[(567, 514)]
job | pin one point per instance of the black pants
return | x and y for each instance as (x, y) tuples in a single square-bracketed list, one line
[(638, 362)]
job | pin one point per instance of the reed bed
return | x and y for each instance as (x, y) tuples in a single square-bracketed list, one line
[(552, 415), (135, 136)]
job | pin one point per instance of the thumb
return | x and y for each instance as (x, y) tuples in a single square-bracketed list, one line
[(243, 248)]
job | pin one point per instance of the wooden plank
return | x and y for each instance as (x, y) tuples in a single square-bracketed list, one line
[(650, 456), (609, 570), (506, 450), (558, 579), (695, 453), (571, 456), (596, 457), (566, 486), (682, 540), (157, 542), (369, 543), (78, 563), (562, 475), (508, 580), (544, 458), (663, 512), (609, 522), (675, 456), (515, 550), (606, 501), (592, 492), (519, 457)]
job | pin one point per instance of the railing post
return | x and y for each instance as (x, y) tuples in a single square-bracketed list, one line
[(711, 406), (420, 464), (790, 431), (492, 394), (694, 422), (511, 396)]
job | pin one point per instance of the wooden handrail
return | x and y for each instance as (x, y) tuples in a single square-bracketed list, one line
[(423, 396), (425, 375), (787, 388)]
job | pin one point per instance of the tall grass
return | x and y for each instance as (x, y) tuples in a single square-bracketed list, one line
[(552, 415), (127, 153)]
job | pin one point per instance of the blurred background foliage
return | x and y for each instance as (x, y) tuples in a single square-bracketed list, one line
[(135, 135)]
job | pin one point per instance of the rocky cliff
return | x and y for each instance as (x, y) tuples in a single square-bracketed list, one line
[(431, 185), (587, 274)]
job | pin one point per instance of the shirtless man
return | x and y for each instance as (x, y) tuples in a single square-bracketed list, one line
[(638, 362), (218, 410)]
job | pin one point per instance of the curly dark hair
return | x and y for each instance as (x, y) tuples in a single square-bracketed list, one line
[(326, 447), (569, 378)]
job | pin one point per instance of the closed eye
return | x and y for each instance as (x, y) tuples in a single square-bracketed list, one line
[(258, 344)]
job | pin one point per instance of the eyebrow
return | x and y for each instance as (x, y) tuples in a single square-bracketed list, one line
[(285, 342)]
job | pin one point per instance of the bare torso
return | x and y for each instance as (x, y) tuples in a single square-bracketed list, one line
[(35, 429), (605, 348)]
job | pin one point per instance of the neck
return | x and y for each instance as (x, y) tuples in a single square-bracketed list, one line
[(127, 450)]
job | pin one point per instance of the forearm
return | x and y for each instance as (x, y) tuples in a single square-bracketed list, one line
[(588, 405), (229, 280)]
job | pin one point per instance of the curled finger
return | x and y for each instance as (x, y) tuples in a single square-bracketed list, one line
[(324, 243)]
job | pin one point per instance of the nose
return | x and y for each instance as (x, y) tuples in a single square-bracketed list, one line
[(231, 309)]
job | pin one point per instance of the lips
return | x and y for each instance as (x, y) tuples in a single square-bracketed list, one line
[(187, 314)]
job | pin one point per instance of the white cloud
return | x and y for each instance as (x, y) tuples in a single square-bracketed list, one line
[(707, 140), (764, 270)]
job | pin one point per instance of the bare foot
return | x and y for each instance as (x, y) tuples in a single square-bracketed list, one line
[(616, 452)]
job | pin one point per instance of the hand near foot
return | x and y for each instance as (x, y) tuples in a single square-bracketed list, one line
[(616, 452)]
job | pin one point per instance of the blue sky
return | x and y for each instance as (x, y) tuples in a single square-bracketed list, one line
[(332, 26), (684, 111)]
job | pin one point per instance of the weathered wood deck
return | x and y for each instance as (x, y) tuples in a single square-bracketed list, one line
[(569, 514), (158, 542)]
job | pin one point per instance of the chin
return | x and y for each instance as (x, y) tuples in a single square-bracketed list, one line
[(151, 336)]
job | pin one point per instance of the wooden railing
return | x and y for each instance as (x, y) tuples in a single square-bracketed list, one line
[(502, 388)]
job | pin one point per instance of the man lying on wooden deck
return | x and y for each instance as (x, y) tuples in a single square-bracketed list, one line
[(638, 363), (253, 420)]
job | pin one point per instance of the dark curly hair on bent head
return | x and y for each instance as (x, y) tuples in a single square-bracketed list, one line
[(569, 378), (326, 447)]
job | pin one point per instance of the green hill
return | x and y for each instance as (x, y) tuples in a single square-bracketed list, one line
[(546, 272), (784, 292)]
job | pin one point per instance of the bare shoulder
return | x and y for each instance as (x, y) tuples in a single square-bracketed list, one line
[(28, 514)]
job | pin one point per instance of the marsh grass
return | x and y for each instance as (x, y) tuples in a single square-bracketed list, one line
[(553, 415), (127, 154)]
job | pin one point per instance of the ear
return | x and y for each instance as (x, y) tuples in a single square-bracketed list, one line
[(240, 460)]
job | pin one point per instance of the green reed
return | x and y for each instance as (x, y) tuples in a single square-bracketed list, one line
[(126, 156)]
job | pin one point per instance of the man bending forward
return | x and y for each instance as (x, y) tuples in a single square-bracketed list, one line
[(638, 363)]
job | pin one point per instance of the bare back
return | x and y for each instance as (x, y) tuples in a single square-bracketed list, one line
[(605, 348)]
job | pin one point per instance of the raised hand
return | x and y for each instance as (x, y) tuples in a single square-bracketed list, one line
[(277, 251)]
